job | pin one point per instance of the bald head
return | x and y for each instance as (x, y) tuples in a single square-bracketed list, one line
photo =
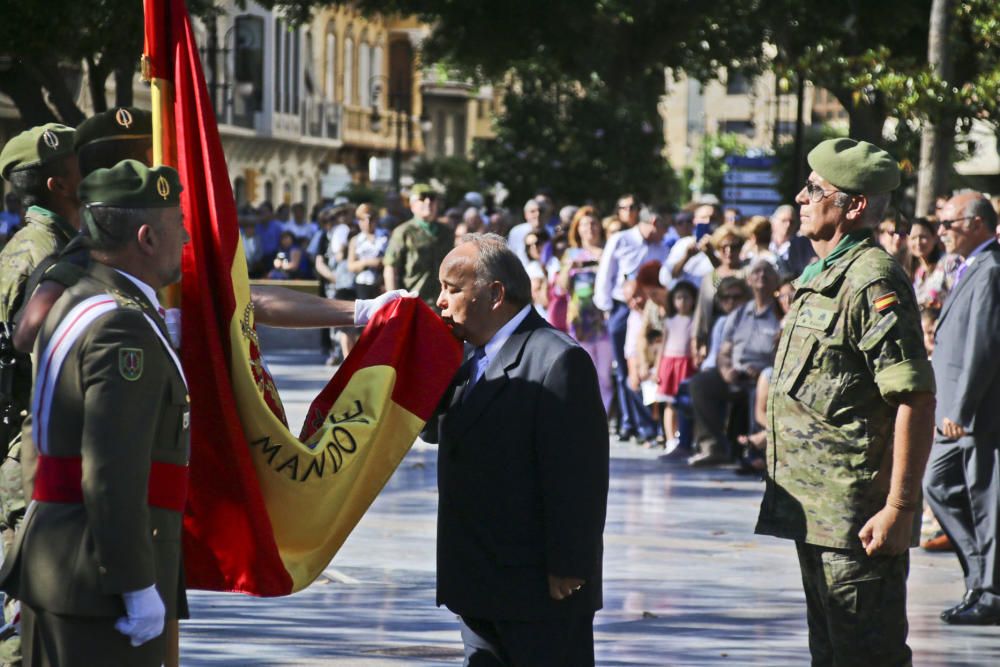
[(967, 221)]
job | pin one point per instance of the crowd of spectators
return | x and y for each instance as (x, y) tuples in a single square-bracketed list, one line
[(680, 310)]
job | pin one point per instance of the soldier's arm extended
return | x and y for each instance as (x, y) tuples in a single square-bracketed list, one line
[(123, 371), (287, 308)]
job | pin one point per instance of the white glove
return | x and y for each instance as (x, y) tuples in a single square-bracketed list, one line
[(145, 616), (364, 309), (172, 318)]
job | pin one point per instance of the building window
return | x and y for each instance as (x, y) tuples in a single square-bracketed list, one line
[(737, 84), (304, 198), (348, 71), (331, 66), (401, 72), (441, 131), (279, 34), (269, 192), (248, 67), (364, 74), (744, 127), (458, 133), (240, 191), (377, 61)]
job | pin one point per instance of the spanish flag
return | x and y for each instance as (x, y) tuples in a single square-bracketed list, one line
[(267, 510)]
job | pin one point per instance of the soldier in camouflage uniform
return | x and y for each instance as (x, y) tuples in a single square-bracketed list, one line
[(850, 414), (417, 248), (42, 169)]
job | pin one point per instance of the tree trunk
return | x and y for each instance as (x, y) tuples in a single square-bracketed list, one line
[(938, 135), (59, 94), (866, 122), (123, 84), (26, 91), (96, 76)]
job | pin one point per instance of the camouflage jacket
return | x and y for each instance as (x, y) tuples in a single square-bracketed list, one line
[(851, 346), (417, 253), (44, 234)]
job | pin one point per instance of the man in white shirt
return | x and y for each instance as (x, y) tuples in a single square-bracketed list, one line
[(625, 252), (532, 223), (687, 260)]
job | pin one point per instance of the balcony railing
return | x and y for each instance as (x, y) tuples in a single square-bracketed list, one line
[(321, 119)]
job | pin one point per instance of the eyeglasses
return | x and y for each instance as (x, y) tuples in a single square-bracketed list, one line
[(427, 197), (816, 193), (946, 224)]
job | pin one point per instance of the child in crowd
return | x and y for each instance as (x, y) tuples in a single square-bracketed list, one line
[(928, 322), (676, 364), (635, 298)]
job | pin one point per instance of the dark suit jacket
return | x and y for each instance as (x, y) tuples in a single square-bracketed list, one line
[(523, 481), (967, 349)]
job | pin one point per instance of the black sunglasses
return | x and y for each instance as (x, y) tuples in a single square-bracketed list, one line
[(427, 196), (946, 224)]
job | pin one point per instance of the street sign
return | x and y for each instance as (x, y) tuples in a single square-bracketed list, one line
[(749, 184), (741, 194), (744, 177)]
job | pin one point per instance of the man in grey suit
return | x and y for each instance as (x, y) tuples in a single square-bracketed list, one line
[(522, 472), (962, 480)]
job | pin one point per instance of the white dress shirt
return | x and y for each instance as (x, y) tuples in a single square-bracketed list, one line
[(495, 344), (625, 253)]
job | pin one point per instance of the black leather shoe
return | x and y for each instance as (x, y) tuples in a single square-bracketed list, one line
[(977, 614), (970, 598)]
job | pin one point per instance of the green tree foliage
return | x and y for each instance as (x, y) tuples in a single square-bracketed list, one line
[(44, 44), (456, 173)]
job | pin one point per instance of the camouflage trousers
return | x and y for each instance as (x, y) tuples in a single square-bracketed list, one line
[(856, 607), (12, 508)]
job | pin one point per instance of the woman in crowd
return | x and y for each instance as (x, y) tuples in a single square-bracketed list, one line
[(726, 243), (932, 277), (892, 233), (533, 243), (364, 255), (585, 322), (288, 262), (758, 243)]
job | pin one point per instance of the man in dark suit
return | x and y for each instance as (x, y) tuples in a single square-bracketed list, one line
[(962, 481), (522, 472)]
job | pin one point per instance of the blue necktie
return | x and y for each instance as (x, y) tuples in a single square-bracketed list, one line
[(478, 370)]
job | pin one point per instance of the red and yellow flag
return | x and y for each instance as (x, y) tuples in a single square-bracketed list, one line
[(267, 510)]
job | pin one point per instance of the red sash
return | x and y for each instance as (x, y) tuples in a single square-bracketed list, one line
[(58, 480)]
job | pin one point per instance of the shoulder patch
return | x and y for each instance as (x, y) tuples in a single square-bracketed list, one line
[(130, 363), (877, 333), (885, 302)]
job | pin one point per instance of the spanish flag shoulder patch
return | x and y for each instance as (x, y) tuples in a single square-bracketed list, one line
[(885, 301)]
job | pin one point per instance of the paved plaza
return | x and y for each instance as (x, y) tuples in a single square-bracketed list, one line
[(686, 580)]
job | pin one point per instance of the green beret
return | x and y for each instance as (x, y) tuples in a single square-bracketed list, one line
[(131, 184), (855, 167), (39, 145), (115, 125), (419, 189)]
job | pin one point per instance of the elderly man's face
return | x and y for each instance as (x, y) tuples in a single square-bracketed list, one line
[(781, 224), (763, 279), (532, 214), (466, 305), (653, 230), (819, 220), (961, 233)]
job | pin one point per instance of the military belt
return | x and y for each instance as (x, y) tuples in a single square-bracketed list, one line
[(58, 479)]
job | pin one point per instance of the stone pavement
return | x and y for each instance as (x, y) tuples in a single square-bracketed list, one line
[(686, 581)]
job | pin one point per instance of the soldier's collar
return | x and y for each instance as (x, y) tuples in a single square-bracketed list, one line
[(46, 216), (835, 271)]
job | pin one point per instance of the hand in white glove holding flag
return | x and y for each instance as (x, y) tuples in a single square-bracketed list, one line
[(364, 309), (144, 617)]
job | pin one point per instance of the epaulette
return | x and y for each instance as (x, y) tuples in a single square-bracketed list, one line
[(124, 300)]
